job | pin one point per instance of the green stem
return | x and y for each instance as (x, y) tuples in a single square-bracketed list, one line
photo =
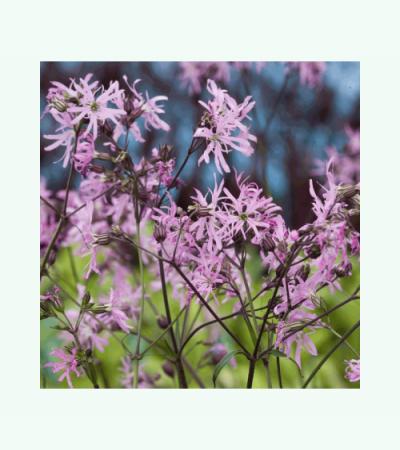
[(167, 330), (311, 322), (141, 271), (278, 370), (252, 330), (208, 307), (193, 372), (347, 343), (330, 353), (295, 250)]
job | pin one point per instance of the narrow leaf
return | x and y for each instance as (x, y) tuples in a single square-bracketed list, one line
[(224, 361)]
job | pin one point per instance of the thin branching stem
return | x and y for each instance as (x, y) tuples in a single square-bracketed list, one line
[(330, 353)]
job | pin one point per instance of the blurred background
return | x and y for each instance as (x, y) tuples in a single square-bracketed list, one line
[(295, 124)]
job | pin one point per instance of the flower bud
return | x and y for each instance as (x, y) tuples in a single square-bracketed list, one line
[(102, 156), (203, 211), (160, 233), (163, 322), (96, 169), (268, 244), (101, 239), (354, 204), (343, 270), (306, 229), (347, 191), (116, 230), (86, 299), (316, 300), (304, 272), (143, 194), (168, 369), (180, 212), (45, 310), (197, 210), (165, 152), (59, 105), (100, 309), (314, 251), (217, 352), (128, 106)]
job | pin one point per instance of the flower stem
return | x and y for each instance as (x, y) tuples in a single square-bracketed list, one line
[(181, 167), (208, 307), (278, 371), (250, 301), (141, 313), (330, 353), (311, 322), (178, 362)]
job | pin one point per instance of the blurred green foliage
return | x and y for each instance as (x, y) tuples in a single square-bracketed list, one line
[(331, 374)]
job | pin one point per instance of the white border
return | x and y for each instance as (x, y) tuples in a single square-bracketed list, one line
[(200, 30)]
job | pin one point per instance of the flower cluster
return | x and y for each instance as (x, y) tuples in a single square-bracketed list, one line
[(346, 162), (158, 276), (222, 127), (84, 105)]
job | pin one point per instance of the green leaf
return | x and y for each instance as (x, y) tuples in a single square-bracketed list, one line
[(224, 361)]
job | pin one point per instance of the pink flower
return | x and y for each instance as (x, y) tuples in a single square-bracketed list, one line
[(84, 153), (151, 111), (250, 213), (347, 166), (88, 331), (163, 167), (138, 106), (94, 107), (59, 95), (241, 65), (93, 185), (300, 339), (207, 274), (222, 127), (52, 296), (207, 224), (193, 73), (176, 231), (310, 73), (352, 372), (353, 136), (65, 138), (117, 316), (323, 208), (68, 364)]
